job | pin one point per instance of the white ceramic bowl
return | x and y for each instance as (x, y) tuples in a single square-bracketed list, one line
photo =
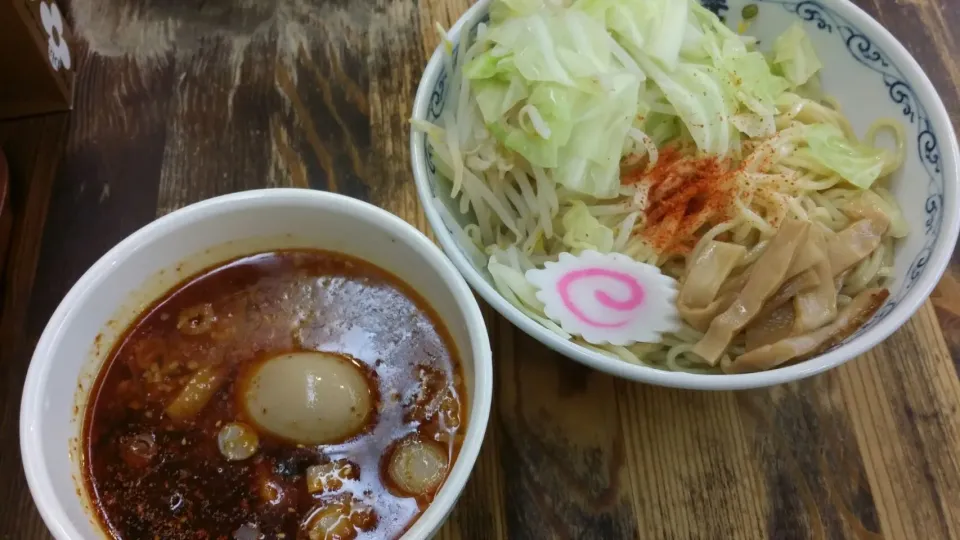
[(872, 76), (148, 263)]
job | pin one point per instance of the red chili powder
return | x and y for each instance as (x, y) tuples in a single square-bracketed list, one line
[(686, 193)]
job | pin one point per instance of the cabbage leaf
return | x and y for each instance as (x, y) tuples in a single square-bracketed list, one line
[(794, 55), (856, 163), (583, 231)]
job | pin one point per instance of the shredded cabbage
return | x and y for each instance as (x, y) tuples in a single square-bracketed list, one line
[(794, 55), (540, 75), (560, 85), (583, 231), (857, 163), (502, 10), (657, 27)]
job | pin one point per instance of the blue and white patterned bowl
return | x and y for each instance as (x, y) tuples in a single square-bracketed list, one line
[(872, 76)]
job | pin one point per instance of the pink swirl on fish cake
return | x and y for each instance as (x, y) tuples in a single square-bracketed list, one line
[(630, 304), (606, 298)]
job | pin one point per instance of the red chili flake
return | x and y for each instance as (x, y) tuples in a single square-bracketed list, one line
[(686, 194)]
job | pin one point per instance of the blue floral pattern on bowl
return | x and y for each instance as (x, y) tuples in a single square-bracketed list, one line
[(826, 21)]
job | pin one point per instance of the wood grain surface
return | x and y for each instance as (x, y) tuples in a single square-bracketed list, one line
[(870, 450)]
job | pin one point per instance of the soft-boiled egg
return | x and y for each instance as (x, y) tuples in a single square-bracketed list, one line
[(309, 397)]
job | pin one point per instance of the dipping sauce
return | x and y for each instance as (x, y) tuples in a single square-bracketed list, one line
[(293, 394)]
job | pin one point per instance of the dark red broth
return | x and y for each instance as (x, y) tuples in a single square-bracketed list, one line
[(153, 476)]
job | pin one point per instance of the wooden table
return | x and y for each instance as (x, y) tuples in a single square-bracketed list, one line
[(866, 451)]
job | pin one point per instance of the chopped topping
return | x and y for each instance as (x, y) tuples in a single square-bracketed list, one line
[(237, 441), (328, 477)]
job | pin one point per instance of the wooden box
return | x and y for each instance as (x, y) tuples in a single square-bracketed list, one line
[(36, 74)]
